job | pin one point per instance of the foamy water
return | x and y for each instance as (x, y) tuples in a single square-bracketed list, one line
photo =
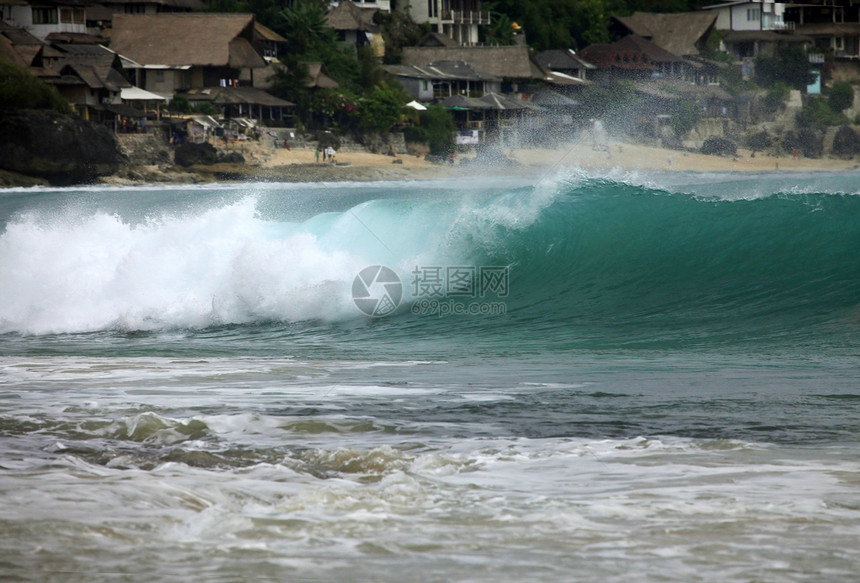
[(189, 392)]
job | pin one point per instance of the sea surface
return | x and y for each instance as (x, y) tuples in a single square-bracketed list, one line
[(571, 377)]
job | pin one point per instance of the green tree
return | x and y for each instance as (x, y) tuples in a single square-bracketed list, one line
[(381, 109), (685, 117), (290, 82), (557, 24), (21, 89), (304, 27), (501, 31), (790, 65), (841, 96), (399, 30), (816, 111), (776, 97), (436, 128)]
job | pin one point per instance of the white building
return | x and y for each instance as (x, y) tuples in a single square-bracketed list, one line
[(383, 5), (457, 19), (45, 18), (750, 15)]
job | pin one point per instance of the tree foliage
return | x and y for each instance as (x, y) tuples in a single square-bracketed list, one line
[(436, 128), (841, 96), (20, 89), (789, 65), (557, 24), (685, 117), (776, 97), (817, 112)]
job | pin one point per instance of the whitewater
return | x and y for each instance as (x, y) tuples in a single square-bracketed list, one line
[(613, 377)]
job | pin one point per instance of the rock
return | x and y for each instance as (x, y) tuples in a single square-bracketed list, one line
[(811, 142), (231, 158), (195, 154), (845, 143), (716, 146), (759, 141), (62, 149)]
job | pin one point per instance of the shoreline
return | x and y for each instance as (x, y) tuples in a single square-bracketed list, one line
[(266, 164)]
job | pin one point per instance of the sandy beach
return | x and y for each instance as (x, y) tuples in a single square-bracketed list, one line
[(618, 155), (263, 162)]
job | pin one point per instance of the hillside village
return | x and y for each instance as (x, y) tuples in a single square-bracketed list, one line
[(708, 79)]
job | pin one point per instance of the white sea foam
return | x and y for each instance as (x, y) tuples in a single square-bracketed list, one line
[(224, 265)]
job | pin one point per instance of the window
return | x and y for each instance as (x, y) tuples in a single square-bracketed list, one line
[(72, 15), (45, 16), (159, 76)]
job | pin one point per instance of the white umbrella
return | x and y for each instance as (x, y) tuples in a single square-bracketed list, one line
[(416, 105)]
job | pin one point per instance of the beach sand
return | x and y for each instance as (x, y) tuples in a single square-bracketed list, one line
[(620, 155), (265, 163)]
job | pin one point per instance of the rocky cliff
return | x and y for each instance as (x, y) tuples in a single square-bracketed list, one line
[(61, 149)]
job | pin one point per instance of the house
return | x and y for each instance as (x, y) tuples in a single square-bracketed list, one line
[(91, 76), (18, 46), (268, 42), (381, 5), (634, 58), (749, 15), (684, 34), (354, 26), (513, 64), (441, 79), (754, 27), (456, 19), (178, 52), (207, 57), (43, 17), (565, 62), (245, 102), (833, 26), (497, 118), (318, 76)]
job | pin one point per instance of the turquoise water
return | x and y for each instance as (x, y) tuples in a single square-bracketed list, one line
[(614, 377)]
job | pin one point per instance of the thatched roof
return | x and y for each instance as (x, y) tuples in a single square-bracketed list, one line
[(441, 70), (96, 66), (266, 33), (551, 99), (8, 53), (509, 62), (348, 16), (631, 52), (679, 33), (237, 95), (558, 60), (489, 101), (18, 45), (319, 77), (182, 39), (437, 39), (189, 5)]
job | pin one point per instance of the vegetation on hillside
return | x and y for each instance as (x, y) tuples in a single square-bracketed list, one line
[(20, 89)]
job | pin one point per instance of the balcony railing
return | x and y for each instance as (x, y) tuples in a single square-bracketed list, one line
[(466, 16)]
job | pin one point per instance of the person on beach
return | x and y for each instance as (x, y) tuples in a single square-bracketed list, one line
[(317, 155), (331, 153)]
